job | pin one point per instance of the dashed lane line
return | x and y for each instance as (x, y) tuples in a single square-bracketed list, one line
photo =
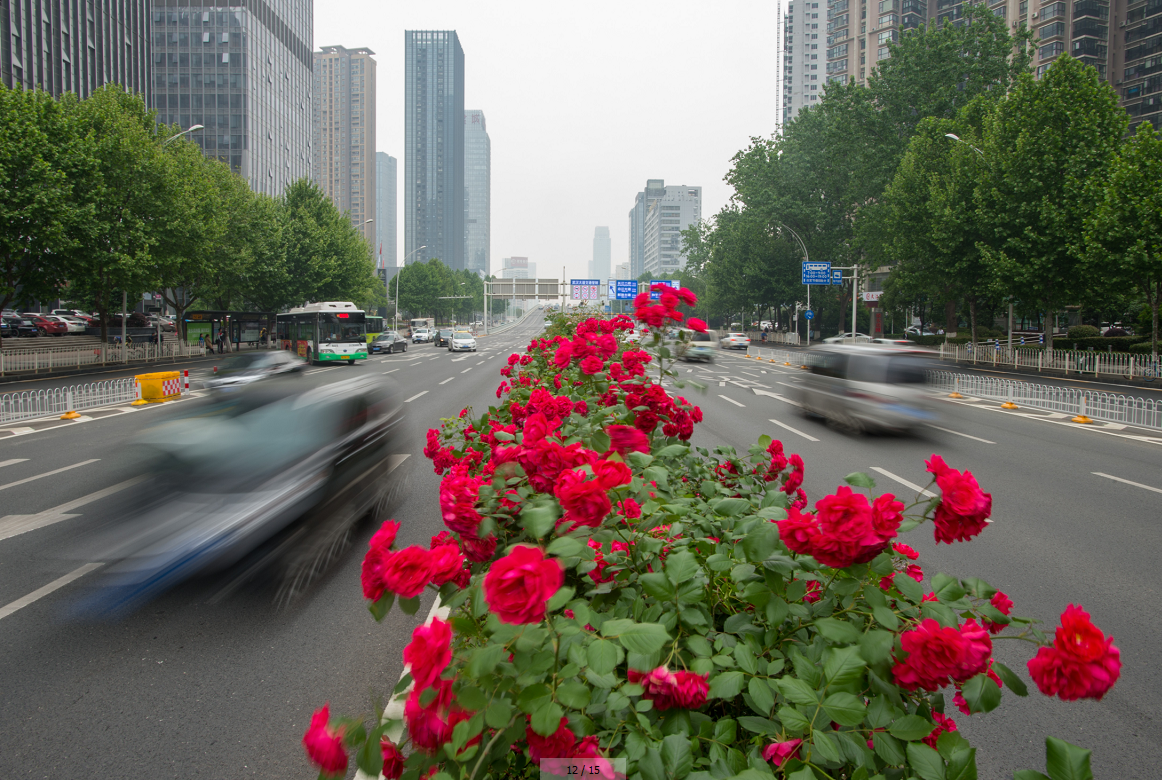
[(904, 482), (449, 379), (728, 398), (465, 371), (48, 473), (1126, 481), (12, 462), (40, 593), (806, 436), (958, 433), (388, 372), (414, 397)]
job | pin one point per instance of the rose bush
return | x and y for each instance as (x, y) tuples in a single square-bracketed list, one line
[(617, 592)]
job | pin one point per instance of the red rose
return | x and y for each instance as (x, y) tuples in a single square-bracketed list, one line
[(519, 584), (887, 514), (379, 550), (428, 726), (629, 508), (406, 572), (668, 690), (324, 745), (943, 724), (559, 744), (612, 473), (1004, 605), (905, 551), (458, 493), (392, 760), (688, 297), (583, 497), (429, 652), (624, 439), (592, 365), (798, 531), (778, 752), (478, 550), (690, 689), (1082, 663), (978, 650), (446, 562), (696, 325), (934, 653), (589, 747), (964, 508), (537, 427)]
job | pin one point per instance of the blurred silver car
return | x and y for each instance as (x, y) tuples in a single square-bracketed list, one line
[(867, 387), (697, 346), (247, 367)]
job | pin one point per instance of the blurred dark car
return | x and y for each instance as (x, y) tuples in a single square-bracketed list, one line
[(443, 337), (19, 326), (268, 481), (242, 369), (389, 342)]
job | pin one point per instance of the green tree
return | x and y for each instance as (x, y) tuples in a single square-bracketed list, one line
[(1049, 145), (1124, 232), (420, 286), (41, 155)]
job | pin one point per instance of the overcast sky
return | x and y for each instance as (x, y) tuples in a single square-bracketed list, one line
[(584, 101)]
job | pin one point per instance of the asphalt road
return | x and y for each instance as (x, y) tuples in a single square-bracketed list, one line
[(196, 687)]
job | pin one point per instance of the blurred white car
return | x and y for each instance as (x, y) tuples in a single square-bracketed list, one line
[(421, 334), (734, 340), (847, 338), (462, 341), (632, 336)]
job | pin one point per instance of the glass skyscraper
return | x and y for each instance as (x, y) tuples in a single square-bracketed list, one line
[(434, 146), (244, 72), (477, 193)]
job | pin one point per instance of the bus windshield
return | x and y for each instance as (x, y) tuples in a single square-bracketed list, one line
[(344, 327)]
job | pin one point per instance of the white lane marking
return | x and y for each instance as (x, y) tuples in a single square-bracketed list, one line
[(12, 462), (14, 525), (689, 370), (784, 384), (722, 384), (414, 397), (775, 396), (388, 372), (1126, 481), (481, 362), (736, 403), (449, 379), (465, 371), (48, 473), (457, 360), (904, 482), (40, 593), (317, 370), (751, 373), (958, 433), (806, 436)]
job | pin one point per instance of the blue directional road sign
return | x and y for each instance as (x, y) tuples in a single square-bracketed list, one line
[(809, 314), (837, 277), (657, 294), (623, 289), (816, 273)]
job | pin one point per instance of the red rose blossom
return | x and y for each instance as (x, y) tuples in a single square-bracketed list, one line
[(559, 744), (937, 653), (518, 585), (392, 760), (324, 745), (446, 562), (1004, 605), (429, 652), (584, 499), (943, 724), (696, 325), (1082, 663), (406, 572), (624, 439), (778, 752), (669, 690), (964, 508)]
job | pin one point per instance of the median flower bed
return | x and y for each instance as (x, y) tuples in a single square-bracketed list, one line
[(615, 592)]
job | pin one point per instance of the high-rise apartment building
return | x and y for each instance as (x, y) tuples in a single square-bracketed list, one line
[(517, 268), (75, 47), (668, 215), (637, 225), (434, 145), (477, 193), (343, 137), (803, 73), (242, 71), (599, 266), (385, 211)]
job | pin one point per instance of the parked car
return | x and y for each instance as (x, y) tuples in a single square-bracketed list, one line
[(698, 346), (389, 342), (916, 331), (21, 326), (74, 324), (248, 367), (75, 313), (863, 387), (443, 337), (46, 326), (421, 335), (461, 341), (734, 340), (847, 338)]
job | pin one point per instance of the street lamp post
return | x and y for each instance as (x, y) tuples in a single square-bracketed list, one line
[(958, 139), (395, 316), (193, 129), (806, 258)]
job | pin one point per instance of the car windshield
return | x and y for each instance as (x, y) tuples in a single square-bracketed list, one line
[(445, 333), (701, 337), (385, 337), (238, 364), (462, 334)]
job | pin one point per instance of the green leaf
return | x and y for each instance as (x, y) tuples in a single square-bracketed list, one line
[(574, 695), (547, 718), (657, 585), (676, 757), (699, 646), (777, 610), (738, 623), (760, 694), (672, 451), (644, 638), (1064, 761), (559, 599), (761, 542), (925, 761), (485, 660), (797, 691), (981, 693), (726, 685), (911, 728), (941, 613), (603, 656), (887, 747), (565, 547), (793, 720), (730, 507), (681, 566), (845, 709), (842, 665), (1028, 774), (534, 697), (650, 765), (369, 757), (640, 460), (912, 590), (826, 746), (759, 725), (1010, 679), (380, 608), (539, 517), (860, 480), (803, 774), (946, 588), (745, 658), (498, 714), (409, 606), (837, 631), (876, 646), (881, 712), (471, 699), (886, 617), (951, 742)]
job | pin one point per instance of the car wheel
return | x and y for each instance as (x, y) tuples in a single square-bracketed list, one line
[(351, 362), (309, 361), (405, 347)]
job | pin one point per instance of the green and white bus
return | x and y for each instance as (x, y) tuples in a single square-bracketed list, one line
[(325, 332)]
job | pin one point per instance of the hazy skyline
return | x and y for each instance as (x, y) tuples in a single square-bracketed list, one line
[(584, 103)]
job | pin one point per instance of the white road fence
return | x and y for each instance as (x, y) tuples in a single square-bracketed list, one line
[(1108, 407), (47, 359), (1076, 361), (33, 404)]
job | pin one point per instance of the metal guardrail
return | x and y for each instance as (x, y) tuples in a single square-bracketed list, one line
[(1108, 407), (13, 361), (33, 404), (1075, 361)]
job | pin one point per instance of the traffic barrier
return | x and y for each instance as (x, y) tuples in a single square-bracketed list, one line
[(72, 413), (76, 357), (34, 404), (158, 387), (186, 381)]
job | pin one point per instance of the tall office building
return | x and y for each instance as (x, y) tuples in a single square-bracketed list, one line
[(343, 137), (74, 47), (477, 193), (385, 211), (517, 268), (621, 271), (433, 177), (599, 266), (637, 225), (673, 211), (244, 73)]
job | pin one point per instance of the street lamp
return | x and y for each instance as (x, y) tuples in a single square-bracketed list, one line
[(806, 258), (193, 129), (957, 138), (395, 319)]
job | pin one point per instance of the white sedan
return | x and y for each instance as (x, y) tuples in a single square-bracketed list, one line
[(462, 341), (735, 341), (847, 337), (75, 324)]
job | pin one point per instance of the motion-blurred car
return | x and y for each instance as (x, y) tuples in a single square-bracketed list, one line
[(847, 338), (894, 342), (734, 340), (697, 346), (867, 387), (461, 341), (388, 342), (421, 335), (248, 367), (443, 337), (47, 327), (270, 480)]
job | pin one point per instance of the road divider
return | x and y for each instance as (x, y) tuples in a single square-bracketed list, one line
[(158, 387)]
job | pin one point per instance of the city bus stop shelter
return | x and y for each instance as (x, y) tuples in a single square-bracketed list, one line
[(241, 327)]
